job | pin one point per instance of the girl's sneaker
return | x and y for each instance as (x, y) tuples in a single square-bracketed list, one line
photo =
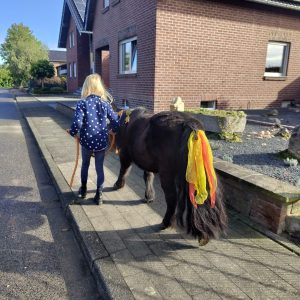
[(82, 192), (98, 199)]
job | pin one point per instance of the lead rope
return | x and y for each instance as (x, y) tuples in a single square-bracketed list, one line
[(76, 161)]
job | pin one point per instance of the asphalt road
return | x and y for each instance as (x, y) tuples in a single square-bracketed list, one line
[(39, 256)]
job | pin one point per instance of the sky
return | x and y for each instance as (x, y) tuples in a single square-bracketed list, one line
[(41, 16)]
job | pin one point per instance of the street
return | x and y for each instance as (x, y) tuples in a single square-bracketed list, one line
[(39, 256)]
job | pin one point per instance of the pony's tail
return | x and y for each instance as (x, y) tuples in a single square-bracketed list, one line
[(202, 221)]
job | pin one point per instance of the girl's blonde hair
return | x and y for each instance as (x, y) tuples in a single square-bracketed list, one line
[(93, 85)]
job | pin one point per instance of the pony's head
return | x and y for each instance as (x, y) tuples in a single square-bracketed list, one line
[(116, 139), (126, 117)]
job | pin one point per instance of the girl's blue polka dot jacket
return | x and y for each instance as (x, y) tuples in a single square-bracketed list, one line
[(91, 120)]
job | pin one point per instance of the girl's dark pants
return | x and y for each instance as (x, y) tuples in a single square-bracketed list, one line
[(99, 159)]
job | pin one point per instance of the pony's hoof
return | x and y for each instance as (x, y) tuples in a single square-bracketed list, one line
[(163, 226), (148, 200), (202, 242), (117, 186)]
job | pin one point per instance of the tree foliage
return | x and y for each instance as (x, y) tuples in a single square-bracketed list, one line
[(19, 50), (42, 69), (6, 80)]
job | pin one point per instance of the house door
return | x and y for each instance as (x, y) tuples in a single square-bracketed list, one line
[(102, 65)]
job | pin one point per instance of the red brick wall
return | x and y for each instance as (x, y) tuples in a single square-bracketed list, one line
[(217, 50), (79, 54), (126, 19)]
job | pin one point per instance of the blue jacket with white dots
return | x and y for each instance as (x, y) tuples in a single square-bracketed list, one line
[(90, 120)]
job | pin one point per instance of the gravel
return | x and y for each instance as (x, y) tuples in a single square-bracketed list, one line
[(258, 152)]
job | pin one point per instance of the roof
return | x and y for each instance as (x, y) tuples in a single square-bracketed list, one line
[(290, 4), (76, 9), (56, 55)]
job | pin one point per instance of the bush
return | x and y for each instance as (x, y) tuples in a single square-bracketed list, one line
[(56, 90), (40, 90), (6, 80), (50, 82), (218, 112)]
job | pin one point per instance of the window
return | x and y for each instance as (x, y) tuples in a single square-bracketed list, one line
[(128, 56), (70, 70), (71, 39), (74, 69), (105, 3), (209, 104), (277, 59)]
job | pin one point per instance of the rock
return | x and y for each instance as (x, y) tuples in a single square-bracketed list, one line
[(228, 158), (294, 143), (276, 121), (283, 132), (273, 112), (290, 162)]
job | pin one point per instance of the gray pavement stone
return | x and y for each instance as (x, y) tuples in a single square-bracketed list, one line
[(141, 287), (112, 285), (167, 286)]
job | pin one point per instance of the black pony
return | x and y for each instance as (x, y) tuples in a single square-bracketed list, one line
[(158, 144)]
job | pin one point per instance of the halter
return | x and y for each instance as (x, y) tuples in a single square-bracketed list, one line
[(124, 120)]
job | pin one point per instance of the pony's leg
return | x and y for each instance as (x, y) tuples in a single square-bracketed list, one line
[(125, 166), (149, 193), (169, 187)]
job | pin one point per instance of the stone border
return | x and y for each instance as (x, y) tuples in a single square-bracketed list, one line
[(266, 201)]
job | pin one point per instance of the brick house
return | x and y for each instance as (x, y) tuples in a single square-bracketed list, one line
[(59, 61), (218, 53), (76, 41)]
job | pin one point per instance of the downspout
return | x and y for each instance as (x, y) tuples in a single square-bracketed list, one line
[(92, 61)]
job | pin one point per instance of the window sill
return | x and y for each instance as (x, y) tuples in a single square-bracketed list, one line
[(275, 78), (106, 9), (114, 2), (130, 75)]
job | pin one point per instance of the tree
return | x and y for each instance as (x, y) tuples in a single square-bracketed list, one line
[(6, 80), (42, 69), (19, 50)]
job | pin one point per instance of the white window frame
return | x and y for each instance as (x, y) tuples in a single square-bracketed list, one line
[(121, 58), (70, 70), (105, 3), (70, 39), (73, 39), (74, 69), (284, 63)]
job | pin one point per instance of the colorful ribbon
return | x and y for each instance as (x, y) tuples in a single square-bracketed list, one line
[(200, 169)]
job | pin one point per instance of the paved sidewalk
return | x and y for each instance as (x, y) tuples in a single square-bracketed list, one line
[(131, 259)]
